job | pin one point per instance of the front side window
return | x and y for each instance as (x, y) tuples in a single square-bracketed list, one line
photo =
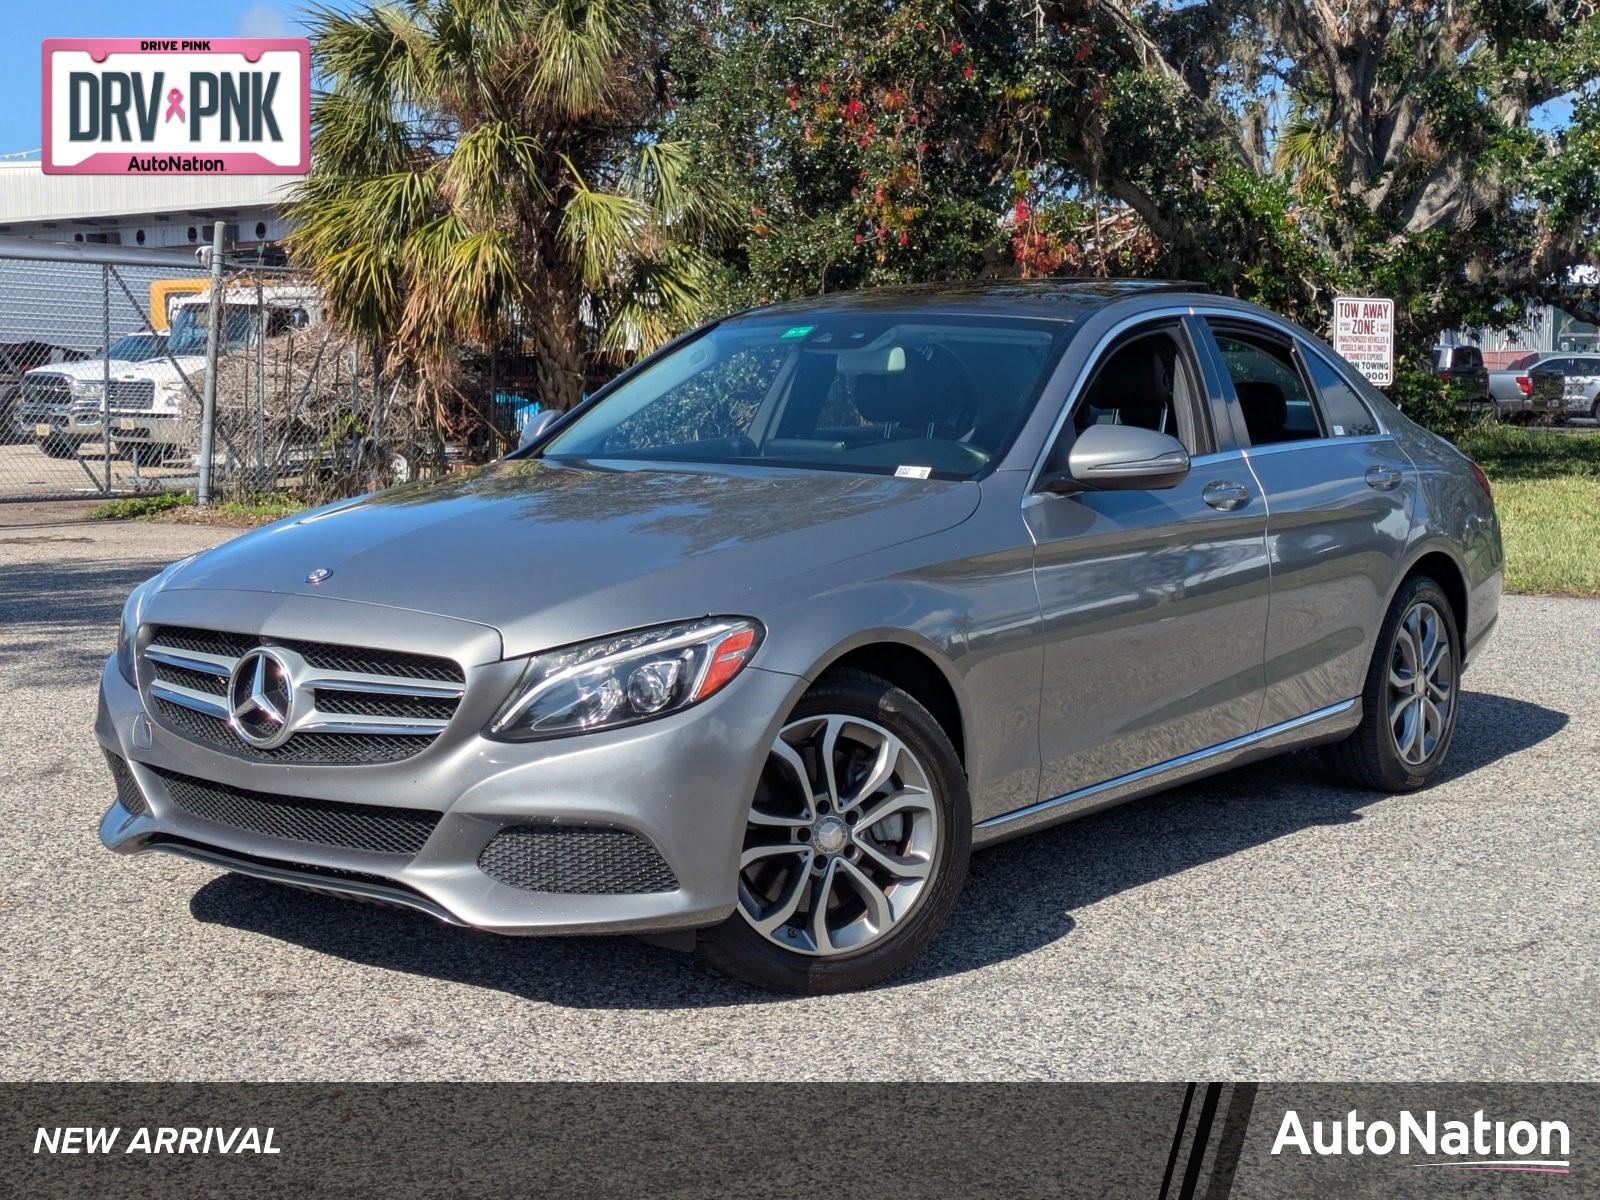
[(191, 322), (1272, 395), (1144, 381), (939, 395)]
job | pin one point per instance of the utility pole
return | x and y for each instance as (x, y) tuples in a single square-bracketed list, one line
[(208, 404)]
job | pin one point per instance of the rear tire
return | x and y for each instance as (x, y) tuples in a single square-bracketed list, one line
[(1411, 698), (886, 885)]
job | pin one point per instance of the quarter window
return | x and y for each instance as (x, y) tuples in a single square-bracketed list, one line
[(1342, 408)]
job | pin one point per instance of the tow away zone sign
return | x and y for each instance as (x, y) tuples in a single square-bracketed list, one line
[(1363, 335)]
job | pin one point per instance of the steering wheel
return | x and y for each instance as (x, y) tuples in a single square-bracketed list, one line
[(961, 423)]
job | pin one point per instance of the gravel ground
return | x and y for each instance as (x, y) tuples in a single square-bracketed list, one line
[(1261, 924)]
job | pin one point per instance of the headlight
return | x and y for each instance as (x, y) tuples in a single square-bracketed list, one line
[(128, 635), (625, 679), (87, 389), (132, 611)]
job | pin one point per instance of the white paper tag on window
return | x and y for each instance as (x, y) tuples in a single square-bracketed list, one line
[(1338, 431), (912, 472)]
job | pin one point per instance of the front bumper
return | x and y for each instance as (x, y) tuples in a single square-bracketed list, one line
[(682, 783)]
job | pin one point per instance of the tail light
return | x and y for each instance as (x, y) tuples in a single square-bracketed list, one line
[(1483, 480), (1444, 374), (1524, 385)]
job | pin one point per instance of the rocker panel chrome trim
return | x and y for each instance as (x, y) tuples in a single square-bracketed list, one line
[(1162, 774)]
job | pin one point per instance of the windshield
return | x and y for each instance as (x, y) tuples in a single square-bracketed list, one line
[(190, 322), (900, 393), (137, 347)]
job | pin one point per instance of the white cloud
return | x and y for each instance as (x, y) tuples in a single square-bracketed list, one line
[(263, 21)]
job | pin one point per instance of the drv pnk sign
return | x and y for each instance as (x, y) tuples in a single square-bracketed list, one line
[(1363, 335), (169, 106)]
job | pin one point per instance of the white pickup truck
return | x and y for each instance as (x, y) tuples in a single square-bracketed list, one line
[(149, 418)]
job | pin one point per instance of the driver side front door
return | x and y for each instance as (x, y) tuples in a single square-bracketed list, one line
[(1154, 603)]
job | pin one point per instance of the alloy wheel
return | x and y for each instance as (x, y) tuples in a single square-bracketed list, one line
[(842, 837), (1421, 684)]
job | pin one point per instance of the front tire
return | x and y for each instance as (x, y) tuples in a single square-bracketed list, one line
[(1411, 698), (856, 844)]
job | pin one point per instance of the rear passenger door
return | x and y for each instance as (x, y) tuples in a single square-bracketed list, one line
[(1338, 493)]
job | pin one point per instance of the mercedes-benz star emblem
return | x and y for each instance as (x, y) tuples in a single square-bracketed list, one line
[(261, 699), (318, 575)]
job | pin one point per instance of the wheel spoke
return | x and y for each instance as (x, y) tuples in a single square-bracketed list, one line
[(773, 821), (914, 866), (1398, 708), (882, 772), (827, 750), (1399, 682), (1432, 719), (879, 914), (1437, 657), (1411, 722), (906, 799), (756, 854), (790, 758), (785, 905), (819, 909)]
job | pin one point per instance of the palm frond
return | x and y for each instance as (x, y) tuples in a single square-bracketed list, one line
[(576, 45)]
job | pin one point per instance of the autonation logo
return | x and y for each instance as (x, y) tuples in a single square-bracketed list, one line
[(1478, 1144)]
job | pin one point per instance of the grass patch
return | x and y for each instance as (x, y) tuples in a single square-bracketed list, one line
[(180, 508), (1547, 492), (131, 508)]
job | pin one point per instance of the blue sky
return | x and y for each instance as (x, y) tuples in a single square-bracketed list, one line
[(29, 22)]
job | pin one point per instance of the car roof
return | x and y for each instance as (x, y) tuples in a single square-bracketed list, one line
[(1059, 299)]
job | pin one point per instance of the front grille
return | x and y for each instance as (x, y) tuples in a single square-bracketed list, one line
[(355, 705), (576, 860), (128, 793), (47, 391), (305, 749), (371, 827), (139, 394), (205, 641)]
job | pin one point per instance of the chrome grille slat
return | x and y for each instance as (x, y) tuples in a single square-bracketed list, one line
[(391, 708), (176, 693), (193, 660)]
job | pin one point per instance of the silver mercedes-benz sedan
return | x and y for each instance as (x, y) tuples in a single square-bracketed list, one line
[(750, 651)]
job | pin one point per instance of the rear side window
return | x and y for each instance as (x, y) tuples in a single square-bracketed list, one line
[(1342, 407), (1272, 394), (1467, 357)]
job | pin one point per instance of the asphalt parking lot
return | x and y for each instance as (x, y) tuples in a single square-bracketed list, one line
[(1261, 924)]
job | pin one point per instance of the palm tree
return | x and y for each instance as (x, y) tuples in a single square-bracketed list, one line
[(487, 171)]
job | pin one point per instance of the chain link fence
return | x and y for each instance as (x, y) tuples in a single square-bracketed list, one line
[(106, 355)]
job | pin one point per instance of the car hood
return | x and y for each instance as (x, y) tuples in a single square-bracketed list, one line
[(554, 553), (121, 368)]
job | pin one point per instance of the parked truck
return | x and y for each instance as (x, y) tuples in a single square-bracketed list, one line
[(152, 410)]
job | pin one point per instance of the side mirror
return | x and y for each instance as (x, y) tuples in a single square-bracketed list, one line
[(1106, 458), (536, 426)]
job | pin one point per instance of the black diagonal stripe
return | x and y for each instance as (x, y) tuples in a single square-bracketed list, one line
[(1231, 1144), (1202, 1137), (1177, 1141)]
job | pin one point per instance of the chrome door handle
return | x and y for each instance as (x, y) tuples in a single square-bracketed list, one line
[(1383, 479), (1222, 494)]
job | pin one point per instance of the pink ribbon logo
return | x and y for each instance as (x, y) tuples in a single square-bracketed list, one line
[(175, 105)]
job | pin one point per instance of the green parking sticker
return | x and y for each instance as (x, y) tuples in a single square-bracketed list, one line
[(798, 331)]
